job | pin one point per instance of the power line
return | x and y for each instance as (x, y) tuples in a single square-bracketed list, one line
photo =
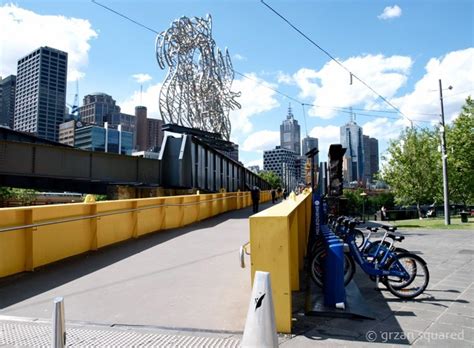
[(123, 16), (452, 95), (334, 59), (266, 85), (305, 124)]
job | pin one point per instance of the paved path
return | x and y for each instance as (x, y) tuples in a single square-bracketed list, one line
[(185, 278), (441, 317), (160, 288)]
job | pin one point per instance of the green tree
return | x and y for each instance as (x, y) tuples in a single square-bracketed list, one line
[(273, 179), (413, 169), (25, 196), (354, 200), (5, 194), (460, 152)]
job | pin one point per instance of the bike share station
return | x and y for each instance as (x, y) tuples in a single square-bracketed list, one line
[(333, 298), (333, 253)]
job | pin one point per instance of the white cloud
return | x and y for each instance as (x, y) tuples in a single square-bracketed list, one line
[(23, 31), (383, 129), (284, 78), (257, 162), (390, 12), (239, 57), (331, 86), (456, 69), (140, 78), (326, 135), (148, 98), (261, 140), (255, 99)]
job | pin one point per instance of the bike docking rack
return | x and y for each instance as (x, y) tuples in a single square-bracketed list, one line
[(334, 291), (333, 299)]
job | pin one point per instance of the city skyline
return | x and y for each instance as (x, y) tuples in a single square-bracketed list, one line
[(392, 54)]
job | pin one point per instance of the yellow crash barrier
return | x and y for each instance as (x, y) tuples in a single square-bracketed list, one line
[(35, 236), (278, 240)]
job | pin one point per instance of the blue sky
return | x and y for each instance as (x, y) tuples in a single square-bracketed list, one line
[(400, 48)]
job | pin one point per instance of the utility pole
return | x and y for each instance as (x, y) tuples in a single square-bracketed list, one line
[(447, 219)]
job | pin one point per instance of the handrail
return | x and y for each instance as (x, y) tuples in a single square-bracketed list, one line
[(117, 212)]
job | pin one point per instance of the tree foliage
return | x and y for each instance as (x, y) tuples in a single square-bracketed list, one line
[(414, 164), (25, 196), (273, 179), (373, 201), (413, 169), (460, 151)]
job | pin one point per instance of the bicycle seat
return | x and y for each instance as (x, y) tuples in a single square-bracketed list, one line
[(390, 228), (396, 237)]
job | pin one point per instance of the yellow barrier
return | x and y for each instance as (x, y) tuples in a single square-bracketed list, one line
[(278, 239), (36, 236)]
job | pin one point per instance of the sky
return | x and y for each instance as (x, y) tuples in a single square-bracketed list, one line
[(400, 49)]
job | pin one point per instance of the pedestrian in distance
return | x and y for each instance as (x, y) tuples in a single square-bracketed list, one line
[(273, 196), (255, 194)]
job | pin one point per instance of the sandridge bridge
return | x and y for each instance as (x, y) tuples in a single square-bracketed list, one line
[(185, 163), (165, 261)]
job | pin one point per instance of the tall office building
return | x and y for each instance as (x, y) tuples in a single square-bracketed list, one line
[(67, 132), (374, 156), (155, 134), (96, 108), (99, 108), (142, 128), (290, 133), (309, 143), (41, 92), (282, 162), (7, 100), (351, 139), (371, 158)]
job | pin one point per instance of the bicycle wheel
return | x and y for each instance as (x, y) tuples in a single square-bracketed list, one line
[(417, 281), (317, 268)]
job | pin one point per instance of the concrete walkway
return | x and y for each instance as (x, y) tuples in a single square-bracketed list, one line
[(188, 278), (184, 288)]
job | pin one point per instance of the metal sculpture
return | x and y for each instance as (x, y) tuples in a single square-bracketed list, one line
[(197, 89)]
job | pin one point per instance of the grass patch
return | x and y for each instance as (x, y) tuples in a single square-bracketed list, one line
[(436, 223)]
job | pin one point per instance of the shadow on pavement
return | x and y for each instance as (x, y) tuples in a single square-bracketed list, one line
[(400, 322), (25, 285)]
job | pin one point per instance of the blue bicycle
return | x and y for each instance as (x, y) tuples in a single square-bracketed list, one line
[(404, 274)]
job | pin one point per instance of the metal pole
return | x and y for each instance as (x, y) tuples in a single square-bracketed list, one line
[(59, 327), (447, 219)]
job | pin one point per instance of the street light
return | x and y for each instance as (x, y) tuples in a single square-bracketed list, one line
[(363, 195), (447, 219)]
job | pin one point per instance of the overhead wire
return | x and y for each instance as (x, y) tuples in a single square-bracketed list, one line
[(352, 75), (266, 85)]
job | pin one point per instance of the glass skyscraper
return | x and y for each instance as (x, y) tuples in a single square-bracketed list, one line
[(352, 140), (290, 134), (7, 100), (93, 138), (40, 99)]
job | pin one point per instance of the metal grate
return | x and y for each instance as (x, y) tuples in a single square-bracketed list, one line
[(26, 334)]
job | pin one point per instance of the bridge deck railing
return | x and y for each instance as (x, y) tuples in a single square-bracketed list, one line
[(31, 237)]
